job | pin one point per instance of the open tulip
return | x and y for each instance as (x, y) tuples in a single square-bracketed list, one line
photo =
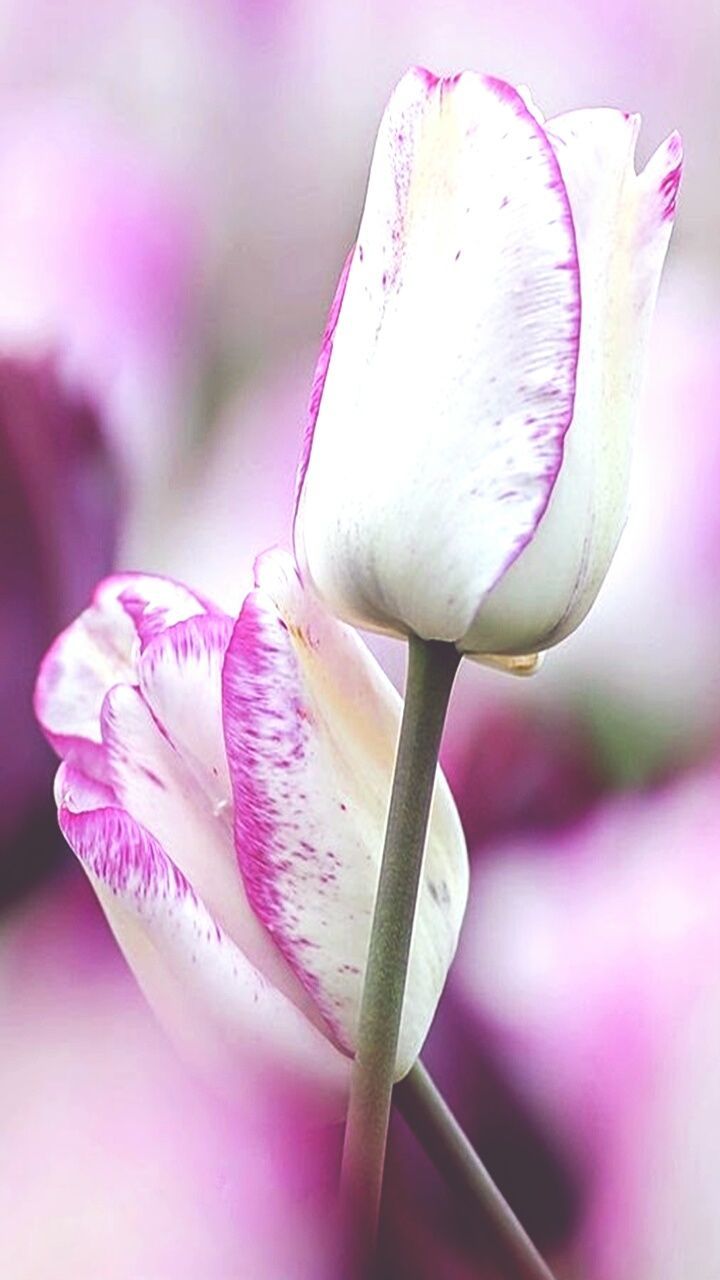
[(225, 786), (466, 462)]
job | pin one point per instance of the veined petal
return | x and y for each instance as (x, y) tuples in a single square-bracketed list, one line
[(450, 381), (100, 649), (200, 984), (311, 725), (623, 222), (164, 752)]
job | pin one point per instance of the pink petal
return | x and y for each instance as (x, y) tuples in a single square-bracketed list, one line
[(311, 725), (202, 985)]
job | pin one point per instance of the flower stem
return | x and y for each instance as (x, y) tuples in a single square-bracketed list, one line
[(432, 666), (434, 1124)]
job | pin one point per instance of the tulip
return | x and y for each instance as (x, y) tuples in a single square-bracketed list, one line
[(466, 461), (225, 787)]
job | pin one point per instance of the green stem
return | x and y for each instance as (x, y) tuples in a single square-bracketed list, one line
[(431, 671), (434, 1124)]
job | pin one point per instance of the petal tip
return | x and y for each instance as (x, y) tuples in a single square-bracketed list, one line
[(669, 186), (525, 93), (662, 173)]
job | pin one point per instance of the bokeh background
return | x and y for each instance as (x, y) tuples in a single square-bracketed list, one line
[(179, 183)]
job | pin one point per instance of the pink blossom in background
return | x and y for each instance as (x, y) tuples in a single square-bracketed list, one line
[(121, 1162), (60, 506), (98, 257), (269, 110), (513, 770), (590, 960)]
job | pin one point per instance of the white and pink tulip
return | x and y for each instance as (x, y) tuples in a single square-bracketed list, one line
[(225, 786), (467, 458)]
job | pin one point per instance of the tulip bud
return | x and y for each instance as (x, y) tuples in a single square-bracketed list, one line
[(466, 463)]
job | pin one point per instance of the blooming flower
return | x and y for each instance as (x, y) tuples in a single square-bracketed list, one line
[(58, 524), (466, 463), (225, 787)]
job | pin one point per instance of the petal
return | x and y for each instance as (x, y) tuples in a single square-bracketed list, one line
[(321, 368), (199, 983), (451, 378), (623, 223), (155, 603), (311, 725), (179, 678), (165, 759), (99, 650)]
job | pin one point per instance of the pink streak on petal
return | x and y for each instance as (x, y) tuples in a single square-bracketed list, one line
[(156, 603), (111, 846), (507, 93), (261, 726), (321, 368), (670, 183)]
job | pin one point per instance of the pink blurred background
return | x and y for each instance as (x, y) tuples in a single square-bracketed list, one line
[(179, 183)]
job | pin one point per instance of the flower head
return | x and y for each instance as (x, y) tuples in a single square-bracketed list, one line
[(225, 787), (466, 464)]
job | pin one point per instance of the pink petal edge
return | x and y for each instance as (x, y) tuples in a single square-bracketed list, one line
[(319, 376)]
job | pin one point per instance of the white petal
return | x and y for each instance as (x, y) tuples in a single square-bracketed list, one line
[(99, 650), (623, 223), (179, 678), (311, 727), (200, 984), (450, 372), (160, 766)]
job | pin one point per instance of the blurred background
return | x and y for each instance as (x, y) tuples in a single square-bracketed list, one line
[(179, 183)]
